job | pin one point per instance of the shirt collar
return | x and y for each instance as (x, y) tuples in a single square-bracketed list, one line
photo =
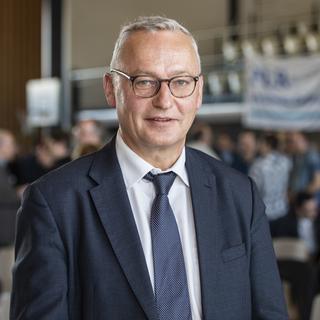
[(306, 222), (134, 168)]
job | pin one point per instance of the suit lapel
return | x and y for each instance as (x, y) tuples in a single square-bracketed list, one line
[(203, 194), (113, 207)]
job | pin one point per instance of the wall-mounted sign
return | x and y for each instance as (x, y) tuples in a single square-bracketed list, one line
[(43, 102), (283, 93)]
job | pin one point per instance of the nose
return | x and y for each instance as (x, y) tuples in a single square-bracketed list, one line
[(163, 99)]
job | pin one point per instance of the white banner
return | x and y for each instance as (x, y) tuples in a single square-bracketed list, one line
[(283, 93), (43, 102)]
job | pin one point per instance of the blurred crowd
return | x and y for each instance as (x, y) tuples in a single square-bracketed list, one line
[(52, 149), (284, 166)]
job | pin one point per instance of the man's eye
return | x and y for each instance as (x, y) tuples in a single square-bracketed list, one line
[(181, 82), (145, 83)]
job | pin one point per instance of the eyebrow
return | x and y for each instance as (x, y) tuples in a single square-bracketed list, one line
[(150, 73)]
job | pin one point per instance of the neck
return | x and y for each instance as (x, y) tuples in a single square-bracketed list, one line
[(302, 215), (162, 159), (159, 157)]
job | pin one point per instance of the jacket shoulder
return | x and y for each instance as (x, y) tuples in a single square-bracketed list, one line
[(219, 168), (71, 174)]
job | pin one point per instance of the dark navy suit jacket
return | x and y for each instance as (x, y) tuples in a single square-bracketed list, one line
[(79, 256)]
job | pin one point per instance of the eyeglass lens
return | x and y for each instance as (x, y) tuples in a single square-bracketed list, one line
[(179, 86)]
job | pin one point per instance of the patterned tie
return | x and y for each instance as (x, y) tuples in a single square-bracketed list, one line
[(170, 280)]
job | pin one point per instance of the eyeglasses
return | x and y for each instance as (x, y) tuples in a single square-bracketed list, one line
[(147, 86)]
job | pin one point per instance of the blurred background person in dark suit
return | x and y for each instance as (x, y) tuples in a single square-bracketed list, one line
[(246, 151), (301, 222), (51, 151), (305, 173), (225, 147)]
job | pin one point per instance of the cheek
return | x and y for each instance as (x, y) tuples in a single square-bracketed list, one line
[(188, 109), (129, 113)]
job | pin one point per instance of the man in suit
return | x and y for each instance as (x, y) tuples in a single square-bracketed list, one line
[(90, 243), (302, 222)]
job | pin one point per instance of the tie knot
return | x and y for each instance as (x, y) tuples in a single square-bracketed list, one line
[(162, 181)]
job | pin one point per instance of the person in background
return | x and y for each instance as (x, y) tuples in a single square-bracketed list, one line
[(225, 148), (85, 149), (246, 152), (271, 173), (50, 152), (9, 201), (87, 133), (57, 144), (146, 228), (301, 222), (305, 173), (201, 138)]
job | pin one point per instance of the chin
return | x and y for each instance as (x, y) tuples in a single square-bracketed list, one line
[(164, 143)]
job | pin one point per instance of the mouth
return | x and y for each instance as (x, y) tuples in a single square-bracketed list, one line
[(160, 119)]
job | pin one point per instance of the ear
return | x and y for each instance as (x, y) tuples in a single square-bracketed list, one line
[(109, 90)]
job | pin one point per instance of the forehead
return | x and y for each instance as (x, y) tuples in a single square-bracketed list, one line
[(247, 137), (168, 51)]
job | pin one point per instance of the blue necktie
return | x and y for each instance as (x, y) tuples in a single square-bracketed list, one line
[(170, 280)]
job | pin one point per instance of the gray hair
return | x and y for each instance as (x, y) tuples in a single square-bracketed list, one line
[(149, 24)]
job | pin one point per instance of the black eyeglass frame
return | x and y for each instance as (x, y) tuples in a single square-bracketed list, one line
[(168, 81)]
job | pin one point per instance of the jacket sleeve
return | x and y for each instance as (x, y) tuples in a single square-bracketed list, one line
[(267, 294), (40, 281)]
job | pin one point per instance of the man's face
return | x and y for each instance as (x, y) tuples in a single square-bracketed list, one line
[(296, 143), (308, 209), (86, 133), (247, 144), (160, 122)]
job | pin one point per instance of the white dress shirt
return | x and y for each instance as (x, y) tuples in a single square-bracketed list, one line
[(306, 233), (141, 194)]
